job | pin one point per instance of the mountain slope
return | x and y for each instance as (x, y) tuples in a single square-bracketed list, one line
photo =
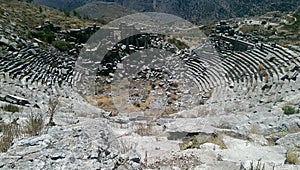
[(69, 4), (193, 10), (103, 10), (30, 15)]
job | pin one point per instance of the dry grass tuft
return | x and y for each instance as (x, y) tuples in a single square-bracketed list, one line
[(291, 157), (203, 112), (10, 131), (34, 124), (13, 130), (126, 146), (255, 130), (170, 109), (198, 140), (145, 129), (105, 102)]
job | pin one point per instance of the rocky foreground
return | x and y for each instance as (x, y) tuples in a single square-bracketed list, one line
[(85, 136)]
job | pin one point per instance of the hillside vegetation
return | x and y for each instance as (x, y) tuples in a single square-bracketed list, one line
[(192, 10), (29, 15)]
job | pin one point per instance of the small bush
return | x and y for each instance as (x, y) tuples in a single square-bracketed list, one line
[(100, 20), (291, 157), (288, 110), (11, 108), (34, 124), (46, 36), (62, 45), (53, 106)]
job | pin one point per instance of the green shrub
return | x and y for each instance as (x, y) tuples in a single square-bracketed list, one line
[(178, 44), (46, 36), (288, 110), (62, 45), (49, 37), (100, 20), (11, 108)]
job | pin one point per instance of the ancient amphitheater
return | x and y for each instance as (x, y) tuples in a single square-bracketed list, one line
[(227, 72), (258, 70)]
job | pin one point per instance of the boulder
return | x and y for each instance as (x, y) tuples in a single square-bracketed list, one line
[(4, 41), (290, 140), (259, 139), (32, 51), (245, 152)]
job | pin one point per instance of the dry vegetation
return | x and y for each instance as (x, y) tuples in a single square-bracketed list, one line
[(105, 102), (32, 127), (291, 157), (180, 161), (145, 129), (196, 141), (135, 97), (255, 130), (250, 28), (31, 15), (53, 104), (34, 124), (126, 146), (10, 131)]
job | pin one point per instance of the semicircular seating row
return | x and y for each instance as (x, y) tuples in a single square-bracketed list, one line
[(261, 69), (256, 70), (32, 65), (215, 73)]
